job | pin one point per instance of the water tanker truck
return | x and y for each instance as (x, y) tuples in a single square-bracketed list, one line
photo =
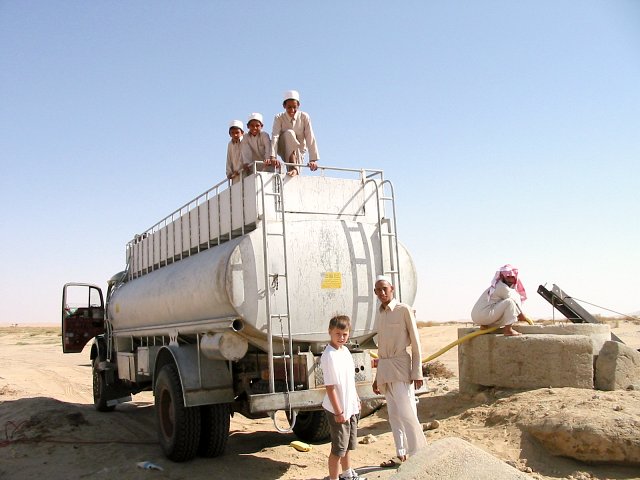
[(224, 304)]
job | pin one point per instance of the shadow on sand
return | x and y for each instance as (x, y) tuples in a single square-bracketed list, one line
[(40, 434)]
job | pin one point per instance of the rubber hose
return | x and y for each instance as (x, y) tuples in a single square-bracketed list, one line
[(468, 336)]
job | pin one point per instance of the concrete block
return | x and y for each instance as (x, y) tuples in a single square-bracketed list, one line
[(525, 362), (617, 367), (455, 459), (598, 332)]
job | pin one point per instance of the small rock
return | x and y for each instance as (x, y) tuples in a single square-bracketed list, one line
[(618, 408), (580, 476), (367, 439), (481, 397), (432, 425)]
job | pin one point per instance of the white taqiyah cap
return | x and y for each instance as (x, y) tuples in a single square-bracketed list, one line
[(236, 124), (291, 95), (255, 116), (383, 278)]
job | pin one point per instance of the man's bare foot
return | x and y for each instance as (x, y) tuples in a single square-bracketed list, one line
[(292, 173), (509, 332)]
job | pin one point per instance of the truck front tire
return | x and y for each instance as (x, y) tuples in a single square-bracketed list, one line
[(100, 388), (178, 426)]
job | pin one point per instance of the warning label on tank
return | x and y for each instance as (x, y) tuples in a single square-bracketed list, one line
[(332, 280)]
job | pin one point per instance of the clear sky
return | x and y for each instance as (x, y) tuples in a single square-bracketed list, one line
[(511, 132)]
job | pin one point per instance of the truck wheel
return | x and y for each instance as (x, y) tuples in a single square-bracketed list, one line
[(100, 389), (312, 426), (214, 429), (178, 426)]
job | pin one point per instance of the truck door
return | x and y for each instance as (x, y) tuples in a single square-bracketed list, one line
[(82, 315)]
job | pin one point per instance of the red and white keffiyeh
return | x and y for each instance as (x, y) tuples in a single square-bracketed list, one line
[(508, 270)]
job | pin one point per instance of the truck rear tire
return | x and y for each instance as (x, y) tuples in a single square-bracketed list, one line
[(214, 429), (178, 426), (312, 426), (100, 389)]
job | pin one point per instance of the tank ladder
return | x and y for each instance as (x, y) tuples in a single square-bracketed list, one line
[(275, 240), (389, 261)]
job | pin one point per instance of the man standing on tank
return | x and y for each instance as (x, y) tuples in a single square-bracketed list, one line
[(398, 372), (292, 135)]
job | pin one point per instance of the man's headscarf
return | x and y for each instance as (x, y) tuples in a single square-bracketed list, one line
[(508, 271)]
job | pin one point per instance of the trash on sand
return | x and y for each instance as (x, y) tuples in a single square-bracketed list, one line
[(300, 446), (149, 466)]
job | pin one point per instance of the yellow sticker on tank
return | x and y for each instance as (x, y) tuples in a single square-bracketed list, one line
[(332, 280)]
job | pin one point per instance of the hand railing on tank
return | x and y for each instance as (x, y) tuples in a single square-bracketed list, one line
[(186, 231), (181, 234)]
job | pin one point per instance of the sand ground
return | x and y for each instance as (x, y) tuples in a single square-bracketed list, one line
[(50, 428)]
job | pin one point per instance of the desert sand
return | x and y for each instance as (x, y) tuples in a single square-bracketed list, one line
[(50, 429)]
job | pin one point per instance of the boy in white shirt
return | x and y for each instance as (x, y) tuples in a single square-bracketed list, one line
[(256, 146), (234, 154), (341, 403)]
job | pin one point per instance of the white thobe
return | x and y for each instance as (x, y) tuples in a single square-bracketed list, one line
[(397, 329), (295, 134), (256, 149), (500, 309), (234, 159)]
